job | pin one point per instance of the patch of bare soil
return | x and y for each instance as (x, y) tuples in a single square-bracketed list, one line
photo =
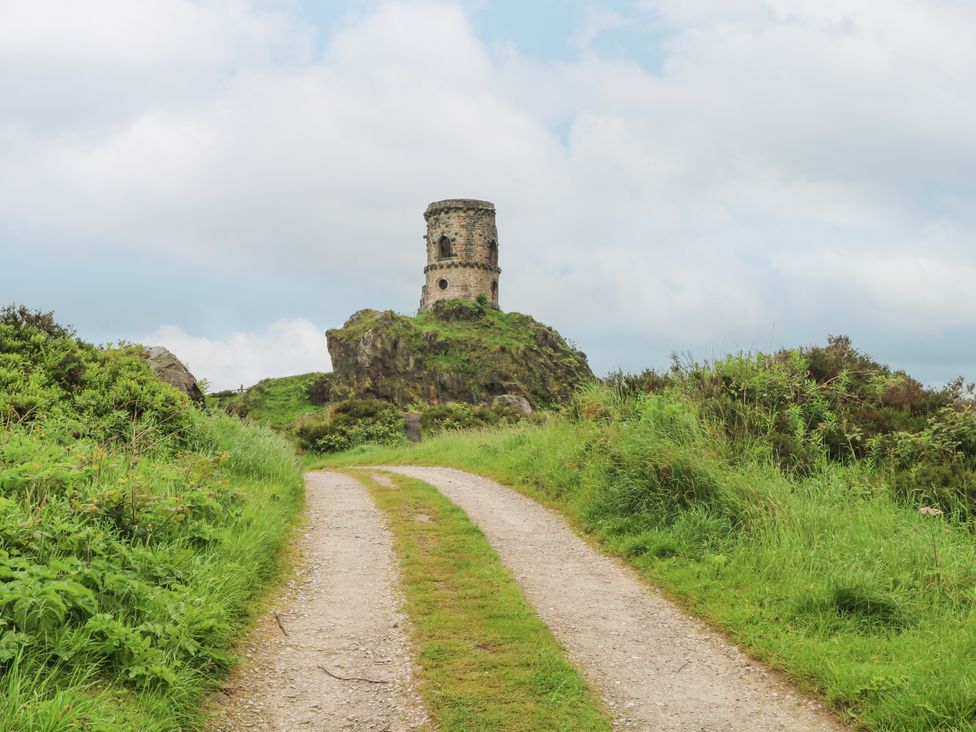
[(333, 655), (657, 668)]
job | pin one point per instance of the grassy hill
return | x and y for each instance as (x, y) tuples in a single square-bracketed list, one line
[(275, 402), (455, 352), (447, 364)]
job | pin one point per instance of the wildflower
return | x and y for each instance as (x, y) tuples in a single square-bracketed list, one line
[(930, 511)]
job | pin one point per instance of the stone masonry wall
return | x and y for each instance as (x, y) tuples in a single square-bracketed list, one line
[(470, 266)]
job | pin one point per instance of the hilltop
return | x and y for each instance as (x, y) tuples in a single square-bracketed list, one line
[(456, 351)]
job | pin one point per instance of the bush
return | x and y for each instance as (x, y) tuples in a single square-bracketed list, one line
[(349, 424), (802, 406), (935, 466), (436, 418), (108, 395)]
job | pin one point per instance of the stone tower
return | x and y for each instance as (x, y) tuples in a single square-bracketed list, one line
[(462, 252)]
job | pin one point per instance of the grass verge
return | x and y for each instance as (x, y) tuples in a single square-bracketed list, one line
[(162, 614), (137, 533), (488, 662)]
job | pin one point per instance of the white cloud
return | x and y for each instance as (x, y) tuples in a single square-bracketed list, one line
[(683, 206), (918, 292), (283, 348)]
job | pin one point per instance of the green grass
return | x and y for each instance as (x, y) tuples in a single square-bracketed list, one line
[(136, 535), (72, 676), (857, 596), (275, 402), (485, 325), (487, 661)]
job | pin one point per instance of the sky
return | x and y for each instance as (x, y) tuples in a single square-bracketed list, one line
[(230, 178)]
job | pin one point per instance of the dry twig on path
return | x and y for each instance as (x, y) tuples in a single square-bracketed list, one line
[(352, 678), (278, 621)]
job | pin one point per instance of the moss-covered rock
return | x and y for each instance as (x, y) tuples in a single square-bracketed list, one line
[(457, 351)]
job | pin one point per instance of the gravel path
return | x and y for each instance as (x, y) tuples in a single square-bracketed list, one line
[(656, 668), (341, 613)]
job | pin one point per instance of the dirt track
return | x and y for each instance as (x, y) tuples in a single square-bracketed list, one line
[(341, 615), (656, 668)]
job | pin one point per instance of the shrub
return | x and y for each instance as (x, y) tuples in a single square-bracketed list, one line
[(647, 381), (460, 416), (110, 395), (935, 466), (349, 424), (802, 406)]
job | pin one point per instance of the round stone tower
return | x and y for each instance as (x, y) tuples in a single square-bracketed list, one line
[(462, 252)]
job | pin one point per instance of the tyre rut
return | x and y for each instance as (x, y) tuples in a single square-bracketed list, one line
[(657, 668)]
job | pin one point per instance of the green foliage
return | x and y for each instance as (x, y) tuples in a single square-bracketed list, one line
[(436, 418), (134, 533), (935, 466), (22, 318), (349, 424), (109, 396), (803, 406), (276, 402), (870, 607), (359, 422)]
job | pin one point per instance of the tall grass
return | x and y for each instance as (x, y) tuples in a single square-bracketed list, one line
[(824, 572), (135, 534), (162, 617)]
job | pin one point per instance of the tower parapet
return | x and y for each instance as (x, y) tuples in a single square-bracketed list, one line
[(462, 252)]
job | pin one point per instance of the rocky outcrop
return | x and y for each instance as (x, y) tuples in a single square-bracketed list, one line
[(170, 370), (457, 351)]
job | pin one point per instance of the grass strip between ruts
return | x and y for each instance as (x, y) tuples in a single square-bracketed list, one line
[(487, 661)]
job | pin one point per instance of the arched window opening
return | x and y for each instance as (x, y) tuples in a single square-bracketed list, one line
[(493, 253), (444, 249), (494, 287), (442, 283)]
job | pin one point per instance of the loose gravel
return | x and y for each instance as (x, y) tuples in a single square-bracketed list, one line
[(342, 617)]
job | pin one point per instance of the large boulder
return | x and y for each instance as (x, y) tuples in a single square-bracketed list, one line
[(512, 403), (455, 352), (170, 370)]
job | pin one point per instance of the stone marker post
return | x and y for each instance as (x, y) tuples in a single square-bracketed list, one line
[(412, 426)]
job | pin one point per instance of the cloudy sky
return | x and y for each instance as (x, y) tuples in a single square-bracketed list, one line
[(231, 178)]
